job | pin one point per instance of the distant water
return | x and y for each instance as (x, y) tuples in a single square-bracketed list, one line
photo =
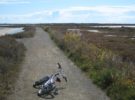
[(15, 30), (113, 26), (7, 30), (95, 31)]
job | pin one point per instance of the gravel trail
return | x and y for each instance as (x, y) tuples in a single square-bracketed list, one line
[(41, 59)]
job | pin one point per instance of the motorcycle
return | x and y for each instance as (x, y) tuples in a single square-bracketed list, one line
[(40, 82), (47, 84)]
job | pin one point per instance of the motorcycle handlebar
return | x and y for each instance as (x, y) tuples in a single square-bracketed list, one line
[(61, 72)]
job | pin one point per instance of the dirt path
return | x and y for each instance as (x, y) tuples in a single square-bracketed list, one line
[(41, 58)]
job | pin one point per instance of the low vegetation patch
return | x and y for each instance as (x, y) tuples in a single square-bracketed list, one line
[(103, 65), (12, 54)]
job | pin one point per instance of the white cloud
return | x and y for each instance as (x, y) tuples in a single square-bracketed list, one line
[(116, 14), (97, 14), (28, 17), (14, 1), (105, 10)]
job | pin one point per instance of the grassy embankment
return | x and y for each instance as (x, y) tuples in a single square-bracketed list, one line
[(106, 66), (12, 54)]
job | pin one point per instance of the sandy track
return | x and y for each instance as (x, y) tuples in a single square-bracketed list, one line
[(41, 58)]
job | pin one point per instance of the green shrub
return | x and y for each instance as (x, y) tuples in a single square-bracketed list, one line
[(85, 66), (119, 91), (47, 29), (103, 78)]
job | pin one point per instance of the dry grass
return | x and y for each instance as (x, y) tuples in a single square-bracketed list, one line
[(12, 54), (109, 61)]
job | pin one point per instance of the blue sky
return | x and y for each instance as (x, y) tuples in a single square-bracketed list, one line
[(67, 11)]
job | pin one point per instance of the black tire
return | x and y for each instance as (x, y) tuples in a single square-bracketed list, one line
[(34, 85), (39, 95), (37, 83)]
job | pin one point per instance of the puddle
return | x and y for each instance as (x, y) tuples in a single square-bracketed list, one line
[(110, 35), (95, 31), (133, 38)]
